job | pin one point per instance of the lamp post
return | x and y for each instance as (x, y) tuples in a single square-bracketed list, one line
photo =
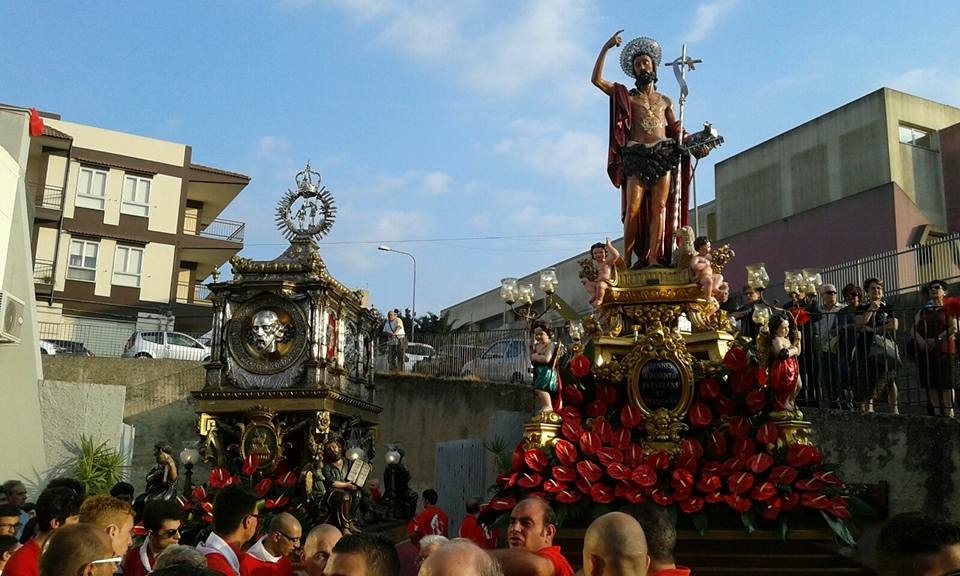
[(413, 324), (520, 296), (188, 457)]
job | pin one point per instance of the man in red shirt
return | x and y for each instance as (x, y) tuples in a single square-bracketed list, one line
[(235, 520), (472, 530), (56, 507), (162, 519), (431, 521), (270, 556), (614, 545), (78, 549), (530, 539), (661, 539)]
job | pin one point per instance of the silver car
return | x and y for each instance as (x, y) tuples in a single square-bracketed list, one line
[(170, 345), (504, 361)]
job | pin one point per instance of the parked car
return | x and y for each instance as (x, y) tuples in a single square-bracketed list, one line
[(505, 360), (206, 339), (416, 351), (64, 348), (173, 345), (449, 360)]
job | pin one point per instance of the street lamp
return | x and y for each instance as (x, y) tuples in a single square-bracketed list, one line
[(188, 457), (413, 324)]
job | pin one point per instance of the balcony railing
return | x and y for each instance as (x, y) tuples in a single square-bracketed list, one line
[(46, 196), (214, 228), (43, 272), (188, 293)]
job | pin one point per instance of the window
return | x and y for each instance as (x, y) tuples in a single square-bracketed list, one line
[(154, 337), (177, 339), (136, 196), (91, 188), (126, 266), (82, 264), (915, 136)]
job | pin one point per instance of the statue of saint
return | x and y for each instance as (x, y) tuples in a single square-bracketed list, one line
[(342, 495), (266, 331)]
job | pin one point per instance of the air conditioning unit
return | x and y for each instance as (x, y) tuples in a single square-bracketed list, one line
[(11, 318)]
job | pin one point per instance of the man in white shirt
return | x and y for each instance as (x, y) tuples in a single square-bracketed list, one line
[(396, 340)]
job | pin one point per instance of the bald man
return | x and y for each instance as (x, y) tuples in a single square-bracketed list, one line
[(270, 556), (317, 548), (615, 545), (460, 557), (78, 550)]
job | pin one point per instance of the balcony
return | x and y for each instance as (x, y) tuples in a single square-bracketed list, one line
[(47, 200), (188, 293), (214, 228), (43, 277)]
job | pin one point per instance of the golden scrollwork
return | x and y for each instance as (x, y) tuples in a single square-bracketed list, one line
[(705, 316), (792, 429), (541, 430), (720, 256), (651, 294), (663, 432), (610, 372), (648, 316)]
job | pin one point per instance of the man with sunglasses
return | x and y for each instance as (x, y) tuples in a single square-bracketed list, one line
[(271, 555), (162, 519), (78, 550), (235, 521)]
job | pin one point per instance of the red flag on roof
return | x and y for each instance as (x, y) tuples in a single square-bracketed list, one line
[(36, 123)]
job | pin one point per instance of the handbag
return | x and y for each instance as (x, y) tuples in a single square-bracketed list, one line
[(884, 351)]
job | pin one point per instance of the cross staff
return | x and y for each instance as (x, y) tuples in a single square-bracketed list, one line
[(680, 67)]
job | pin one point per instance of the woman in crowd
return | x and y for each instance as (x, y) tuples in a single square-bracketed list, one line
[(543, 356), (934, 333), (874, 373)]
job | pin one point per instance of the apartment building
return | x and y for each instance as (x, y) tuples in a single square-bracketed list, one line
[(125, 231)]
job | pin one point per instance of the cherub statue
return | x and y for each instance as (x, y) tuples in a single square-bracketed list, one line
[(702, 269), (605, 258)]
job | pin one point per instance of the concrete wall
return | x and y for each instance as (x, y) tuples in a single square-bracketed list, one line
[(950, 159), (21, 427)]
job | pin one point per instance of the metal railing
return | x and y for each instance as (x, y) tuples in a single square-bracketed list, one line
[(188, 293), (46, 195), (213, 228), (113, 340), (43, 271)]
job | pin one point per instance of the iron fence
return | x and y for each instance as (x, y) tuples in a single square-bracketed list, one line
[(215, 228), (43, 271), (191, 293), (46, 196)]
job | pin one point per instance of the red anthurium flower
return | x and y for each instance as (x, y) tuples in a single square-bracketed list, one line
[(635, 496), (714, 497), (535, 460), (501, 504), (739, 482), (761, 375), (739, 427), (584, 485), (738, 503), (602, 428), (827, 477), (809, 484), (219, 478), (717, 444), (530, 480), (551, 486), (571, 429), (709, 389), (709, 483), (712, 467), (735, 464), (681, 480), (756, 401), (790, 501), (564, 473), (800, 455), (691, 505), (589, 442), (507, 480), (567, 496), (621, 489), (725, 406), (767, 434), (735, 359), (700, 415), (184, 503), (621, 439), (207, 507), (279, 503), (579, 366), (771, 509), (207, 518), (744, 447), (644, 476), (783, 475), (571, 413), (608, 394), (572, 395), (263, 487), (630, 416), (619, 471), (250, 463), (589, 470), (691, 447), (815, 500), (658, 460), (634, 455), (565, 452), (596, 408), (759, 463), (661, 497), (683, 495), (608, 455), (517, 460), (200, 493), (601, 493), (287, 480), (838, 507), (687, 463), (741, 383), (763, 492)]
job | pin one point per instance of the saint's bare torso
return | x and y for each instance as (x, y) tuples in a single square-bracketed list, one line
[(649, 117)]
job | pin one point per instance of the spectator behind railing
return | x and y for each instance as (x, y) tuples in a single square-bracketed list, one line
[(934, 335), (875, 363)]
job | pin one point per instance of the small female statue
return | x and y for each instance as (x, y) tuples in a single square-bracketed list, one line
[(543, 356), (784, 377)]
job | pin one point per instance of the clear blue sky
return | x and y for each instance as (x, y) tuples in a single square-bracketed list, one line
[(465, 132)]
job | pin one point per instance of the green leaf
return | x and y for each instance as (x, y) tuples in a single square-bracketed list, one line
[(860, 509), (700, 522), (839, 528), (749, 522), (784, 529)]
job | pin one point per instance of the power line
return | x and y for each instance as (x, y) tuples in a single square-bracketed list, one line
[(460, 239)]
